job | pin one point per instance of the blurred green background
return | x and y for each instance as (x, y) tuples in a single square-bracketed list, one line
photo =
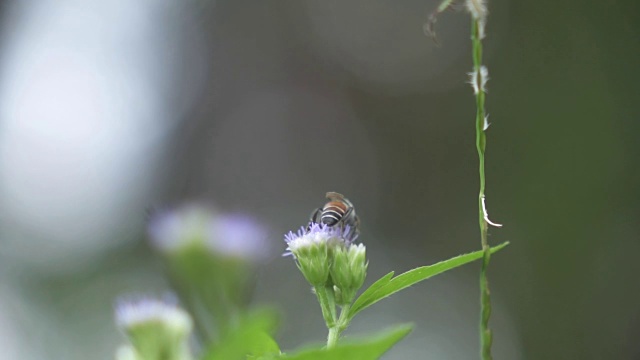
[(108, 109)]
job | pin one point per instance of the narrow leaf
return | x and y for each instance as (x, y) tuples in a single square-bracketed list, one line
[(367, 294), (369, 348), (412, 277)]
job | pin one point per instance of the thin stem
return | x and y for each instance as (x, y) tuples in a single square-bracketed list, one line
[(485, 297), (332, 302), (340, 326), (332, 339), (327, 304)]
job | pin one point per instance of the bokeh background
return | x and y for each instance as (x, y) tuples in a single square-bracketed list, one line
[(109, 108)]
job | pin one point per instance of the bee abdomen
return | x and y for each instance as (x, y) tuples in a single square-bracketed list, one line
[(332, 213)]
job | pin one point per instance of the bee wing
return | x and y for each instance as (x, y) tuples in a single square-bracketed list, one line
[(334, 196)]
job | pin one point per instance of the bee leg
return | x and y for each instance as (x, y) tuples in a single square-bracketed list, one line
[(315, 217), (352, 220)]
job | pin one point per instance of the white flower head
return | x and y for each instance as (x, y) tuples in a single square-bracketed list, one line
[(314, 235), (312, 248), (357, 251), (156, 329), (142, 311)]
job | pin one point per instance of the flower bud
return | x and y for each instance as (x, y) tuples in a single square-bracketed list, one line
[(156, 329), (126, 352), (209, 256), (348, 271), (312, 249), (312, 258)]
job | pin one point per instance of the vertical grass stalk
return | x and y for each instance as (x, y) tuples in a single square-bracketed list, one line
[(478, 81)]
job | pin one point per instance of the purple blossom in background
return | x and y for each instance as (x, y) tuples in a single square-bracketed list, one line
[(132, 311), (232, 235), (239, 235), (170, 229)]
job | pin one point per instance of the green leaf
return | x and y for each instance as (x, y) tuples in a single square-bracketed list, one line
[(386, 287), (383, 281), (369, 348), (251, 338), (240, 345)]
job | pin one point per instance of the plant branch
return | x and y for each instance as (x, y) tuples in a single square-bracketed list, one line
[(339, 327)]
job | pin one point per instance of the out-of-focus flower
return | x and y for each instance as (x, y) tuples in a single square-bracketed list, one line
[(156, 329), (209, 257), (172, 229), (228, 235), (239, 236), (126, 352)]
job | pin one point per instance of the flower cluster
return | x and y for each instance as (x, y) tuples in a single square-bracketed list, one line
[(210, 257), (315, 235), (155, 328), (327, 257), (229, 235)]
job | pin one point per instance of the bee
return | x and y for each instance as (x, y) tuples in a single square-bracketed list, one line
[(338, 211)]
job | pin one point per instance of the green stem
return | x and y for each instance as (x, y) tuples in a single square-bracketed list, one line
[(332, 339), (340, 326), (185, 354), (485, 297), (327, 304)]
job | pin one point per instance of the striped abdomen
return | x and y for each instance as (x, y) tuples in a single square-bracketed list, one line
[(332, 212)]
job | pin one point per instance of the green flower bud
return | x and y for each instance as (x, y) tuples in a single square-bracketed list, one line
[(348, 271), (157, 330), (126, 352), (313, 261), (316, 250)]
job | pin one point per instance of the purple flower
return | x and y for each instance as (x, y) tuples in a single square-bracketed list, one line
[(232, 235), (239, 235), (173, 228)]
